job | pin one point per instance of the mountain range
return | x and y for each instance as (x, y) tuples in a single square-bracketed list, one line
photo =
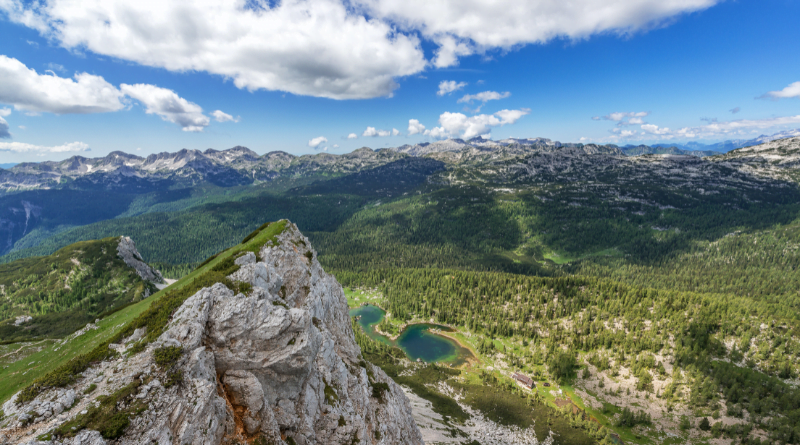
[(241, 166), (586, 295)]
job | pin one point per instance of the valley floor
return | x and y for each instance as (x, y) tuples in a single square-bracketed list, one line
[(598, 396)]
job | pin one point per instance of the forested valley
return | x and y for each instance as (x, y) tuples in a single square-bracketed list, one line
[(658, 300)]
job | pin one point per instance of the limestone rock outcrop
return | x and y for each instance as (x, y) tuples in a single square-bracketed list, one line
[(277, 364), (127, 250)]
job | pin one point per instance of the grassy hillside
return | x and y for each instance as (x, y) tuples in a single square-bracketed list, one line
[(66, 290), (61, 365)]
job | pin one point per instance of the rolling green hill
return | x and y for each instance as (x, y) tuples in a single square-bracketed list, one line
[(64, 291)]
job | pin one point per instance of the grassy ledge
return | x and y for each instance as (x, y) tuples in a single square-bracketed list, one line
[(157, 316)]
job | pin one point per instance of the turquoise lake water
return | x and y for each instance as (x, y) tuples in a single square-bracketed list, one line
[(416, 340)]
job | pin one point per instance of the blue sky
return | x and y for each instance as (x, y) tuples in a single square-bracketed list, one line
[(94, 76)]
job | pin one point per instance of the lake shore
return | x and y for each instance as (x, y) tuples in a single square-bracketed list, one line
[(473, 360)]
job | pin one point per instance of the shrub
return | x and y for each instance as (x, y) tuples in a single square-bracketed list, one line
[(330, 395), (379, 391), (167, 356), (173, 378), (107, 418)]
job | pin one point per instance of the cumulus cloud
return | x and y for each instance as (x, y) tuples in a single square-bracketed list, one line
[(317, 141), (168, 105), (449, 86), (28, 90), (624, 118), (484, 97), (21, 147), (352, 136), (341, 49), (373, 132), (321, 48), (713, 129), (460, 125), (414, 127), (221, 116), (793, 90), (4, 133), (450, 49), (655, 129), (466, 27)]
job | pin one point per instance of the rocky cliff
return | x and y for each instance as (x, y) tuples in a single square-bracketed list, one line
[(273, 363), (127, 251)]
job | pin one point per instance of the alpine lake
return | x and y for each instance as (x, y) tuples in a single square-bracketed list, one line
[(419, 341)]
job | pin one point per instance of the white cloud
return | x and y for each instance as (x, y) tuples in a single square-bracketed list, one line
[(618, 117), (341, 49), (450, 48), (484, 96), (319, 48), (168, 105), (335, 145), (655, 129), (793, 90), (414, 127), (4, 133), (352, 136), (56, 67), (464, 27), (21, 147), (395, 131), (220, 116), (624, 118), (713, 130), (36, 93), (372, 132), (460, 125), (437, 133), (22, 127), (448, 86), (5, 112), (27, 90), (317, 141)]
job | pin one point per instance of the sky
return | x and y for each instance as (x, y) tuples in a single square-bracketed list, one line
[(88, 77)]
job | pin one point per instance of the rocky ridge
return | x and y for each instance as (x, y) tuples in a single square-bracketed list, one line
[(127, 251), (226, 168), (277, 363)]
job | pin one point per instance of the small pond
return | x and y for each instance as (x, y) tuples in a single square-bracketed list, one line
[(416, 340)]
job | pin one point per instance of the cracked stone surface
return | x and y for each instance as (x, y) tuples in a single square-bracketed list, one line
[(280, 363)]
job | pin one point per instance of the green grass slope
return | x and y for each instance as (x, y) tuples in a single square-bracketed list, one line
[(60, 364), (66, 290)]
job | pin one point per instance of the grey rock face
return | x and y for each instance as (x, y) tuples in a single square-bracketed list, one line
[(280, 362), (127, 250)]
